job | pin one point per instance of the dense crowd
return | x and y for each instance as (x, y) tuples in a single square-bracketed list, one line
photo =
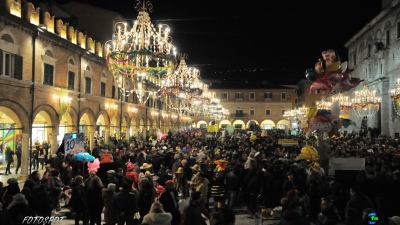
[(193, 177)]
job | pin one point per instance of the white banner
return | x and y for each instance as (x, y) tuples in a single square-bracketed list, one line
[(346, 164)]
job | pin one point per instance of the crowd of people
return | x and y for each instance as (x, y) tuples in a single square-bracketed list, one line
[(193, 177)]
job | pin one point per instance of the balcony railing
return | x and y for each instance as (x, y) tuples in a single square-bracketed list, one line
[(239, 115)]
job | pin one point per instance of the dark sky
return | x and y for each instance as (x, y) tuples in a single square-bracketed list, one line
[(278, 39)]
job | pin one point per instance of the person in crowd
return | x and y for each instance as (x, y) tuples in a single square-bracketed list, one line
[(126, 205), (9, 191), (192, 214), (94, 199), (110, 214), (55, 187), (355, 206), (17, 210), (78, 201), (157, 215), (18, 154), (9, 159), (146, 193), (170, 202)]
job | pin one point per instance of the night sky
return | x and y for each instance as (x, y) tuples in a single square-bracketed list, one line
[(256, 39)]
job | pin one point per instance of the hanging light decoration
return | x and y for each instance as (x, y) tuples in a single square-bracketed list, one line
[(365, 102), (139, 55), (323, 105), (395, 95), (344, 103)]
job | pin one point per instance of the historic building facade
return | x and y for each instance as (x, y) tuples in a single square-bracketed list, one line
[(374, 54), (54, 80), (263, 106)]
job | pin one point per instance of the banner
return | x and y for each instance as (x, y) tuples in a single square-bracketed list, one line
[(74, 143), (288, 142), (345, 164)]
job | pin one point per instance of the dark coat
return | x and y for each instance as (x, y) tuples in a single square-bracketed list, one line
[(110, 213), (169, 200), (355, 207), (78, 198), (126, 203)]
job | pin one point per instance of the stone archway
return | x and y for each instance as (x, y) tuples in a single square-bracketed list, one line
[(201, 124), (45, 127), (224, 123), (267, 124), (14, 133), (239, 124), (251, 122)]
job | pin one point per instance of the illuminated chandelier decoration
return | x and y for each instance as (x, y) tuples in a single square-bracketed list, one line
[(395, 95), (323, 105), (140, 55), (365, 102), (344, 103)]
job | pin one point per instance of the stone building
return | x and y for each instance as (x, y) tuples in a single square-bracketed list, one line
[(54, 80), (374, 54), (261, 104)]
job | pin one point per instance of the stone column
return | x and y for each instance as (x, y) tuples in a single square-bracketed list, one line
[(107, 135), (385, 107), (25, 156), (91, 139), (53, 141)]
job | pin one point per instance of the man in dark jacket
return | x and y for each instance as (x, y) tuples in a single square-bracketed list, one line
[(355, 206), (169, 200), (126, 204), (18, 153), (9, 159)]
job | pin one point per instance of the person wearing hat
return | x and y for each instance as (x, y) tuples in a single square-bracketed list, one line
[(181, 183), (146, 166), (196, 178), (146, 193)]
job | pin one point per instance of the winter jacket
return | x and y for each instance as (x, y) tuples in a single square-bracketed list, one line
[(110, 213), (157, 219)]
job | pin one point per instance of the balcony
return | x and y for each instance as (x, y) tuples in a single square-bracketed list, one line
[(239, 115)]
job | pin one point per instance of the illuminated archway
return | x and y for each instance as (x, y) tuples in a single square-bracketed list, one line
[(10, 129), (201, 124), (224, 123), (41, 128), (239, 124), (250, 122), (86, 122), (66, 126), (283, 124), (267, 124), (102, 124), (133, 129)]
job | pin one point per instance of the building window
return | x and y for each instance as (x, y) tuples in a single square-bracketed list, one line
[(48, 74), (381, 68), (398, 30), (268, 95), (252, 112), (88, 85), (103, 89), (369, 50), (10, 65), (355, 59), (239, 112), (283, 96), (283, 111), (252, 96), (267, 112), (238, 95), (387, 37), (71, 80), (224, 96), (113, 92)]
